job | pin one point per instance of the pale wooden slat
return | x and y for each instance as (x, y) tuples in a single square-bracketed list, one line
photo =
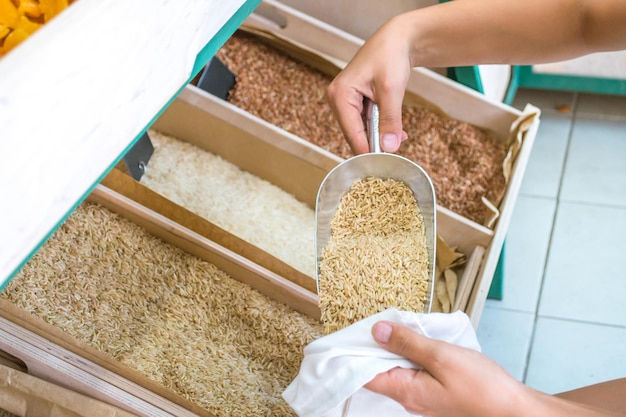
[(76, 94)]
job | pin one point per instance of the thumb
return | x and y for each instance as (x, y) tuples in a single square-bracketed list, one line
[(406, 386), (390, 124), (399, 339)]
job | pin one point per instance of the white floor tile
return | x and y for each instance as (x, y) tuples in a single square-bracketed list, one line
[(525, 253), (601, 106), (580, 335), (545, 166), (567, 355), (584, 277), (595, 170), (505, 337)]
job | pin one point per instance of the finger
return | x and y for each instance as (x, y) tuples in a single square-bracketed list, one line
[(347, 104), (405, 386), (390, 382), (389, 99)]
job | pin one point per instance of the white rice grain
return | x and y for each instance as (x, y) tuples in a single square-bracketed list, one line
[(241, 203)]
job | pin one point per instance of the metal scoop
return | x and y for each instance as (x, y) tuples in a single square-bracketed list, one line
[(380, 165)]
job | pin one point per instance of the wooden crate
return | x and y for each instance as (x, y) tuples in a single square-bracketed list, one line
[(196, 117), (199, 118), (297, 167)]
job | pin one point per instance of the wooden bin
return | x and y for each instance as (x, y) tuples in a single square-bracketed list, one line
[(201, 119)]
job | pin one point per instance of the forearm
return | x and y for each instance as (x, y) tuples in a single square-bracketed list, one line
[(541, 404), (609, 395), (469, 32)]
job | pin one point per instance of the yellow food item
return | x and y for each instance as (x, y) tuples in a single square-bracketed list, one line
[(8, 13), (21, 18), (4, 31), (30, 9)]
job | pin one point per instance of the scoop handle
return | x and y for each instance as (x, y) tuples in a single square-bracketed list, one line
[(371, 124)]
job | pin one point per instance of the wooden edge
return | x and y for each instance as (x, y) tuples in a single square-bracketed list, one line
[(480, 290), (261, 129), (53, 356), (460, 232), (479, 295), (238, 267), (125, 185), (469, 278)]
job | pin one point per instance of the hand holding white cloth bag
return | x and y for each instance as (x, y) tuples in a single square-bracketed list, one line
[(336, 367)]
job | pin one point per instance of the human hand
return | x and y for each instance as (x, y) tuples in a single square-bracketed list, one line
[(454, 381), (379, 71)]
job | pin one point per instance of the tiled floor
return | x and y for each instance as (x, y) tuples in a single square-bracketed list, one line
[(562, 321)]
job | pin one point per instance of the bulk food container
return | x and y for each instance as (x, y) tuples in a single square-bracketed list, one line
[(186, 293)]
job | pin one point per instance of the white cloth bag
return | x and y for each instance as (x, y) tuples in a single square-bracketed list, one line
[(335, 367)]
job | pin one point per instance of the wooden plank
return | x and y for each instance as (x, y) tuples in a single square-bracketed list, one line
[(468, 278), (238, 267), (460, 232)]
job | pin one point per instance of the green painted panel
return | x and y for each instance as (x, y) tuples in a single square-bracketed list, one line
[(530, 79)]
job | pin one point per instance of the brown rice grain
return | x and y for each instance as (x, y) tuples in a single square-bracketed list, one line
[(463, 161), (376, 257), (175, 318)]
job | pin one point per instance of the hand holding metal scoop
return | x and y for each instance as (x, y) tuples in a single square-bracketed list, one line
[(379, 165)]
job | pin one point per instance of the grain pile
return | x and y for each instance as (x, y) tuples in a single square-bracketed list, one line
[(464, 162), (235, 200), (376, 257), (178, 320)]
